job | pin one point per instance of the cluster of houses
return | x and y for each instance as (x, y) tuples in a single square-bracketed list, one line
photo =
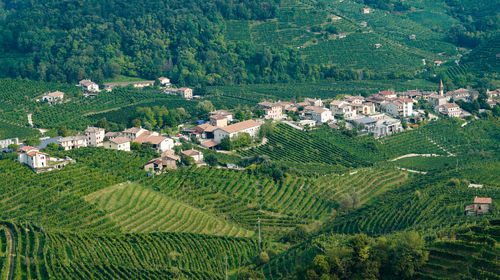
[(221, 126)]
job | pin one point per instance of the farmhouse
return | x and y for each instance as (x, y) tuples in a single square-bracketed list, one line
[(88, 86), (33, 157), (170, 160), (159, 143), (73, 142), (139, 84), (95, 136), (251, 127), (53, 97), (467, 95), (481, 206), (195, 154), (366, 10), (118, 143), (154, 165), (438, 63), (388, 94), (186, 93), (164, 82), (342, 108), (206, 130)]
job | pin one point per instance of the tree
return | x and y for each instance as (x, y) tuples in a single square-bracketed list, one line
[(135, 146), (204, 107), (211, 159), (103, 123), (408, 255), (13, 147), (63, 131), (297, 235), (266, 129), (32, 142), (54, 146), (187, 160), (262, 258), (249, 274), (240, 116), (136, 123), (226, 144)]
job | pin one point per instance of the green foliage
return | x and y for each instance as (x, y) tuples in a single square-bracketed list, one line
[(187, 160), (13, 147), (298, 235), (32, 142)]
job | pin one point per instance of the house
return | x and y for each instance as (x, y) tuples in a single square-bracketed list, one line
[(155, 164), (112, 134), (493, 94), (186, 93), (386, 127), (438, 63), (387, 94), (6, 142), (450, 109), (412, 37), (218, 120), (314, 102), (272, 111), (73, 142), (88, 86), (366, 108), (53, 97), (223, 113), (250, 126), (366, 122), (119, 143), (342, 108), (366, 10), (195, 154), (133, 132), (319, 114), (467, 95), (481, 206), (164, 82), (354, 99), (170, 160), (309, 123), (32, 157), (206, 130), (438, 100), (159, 143), (477, 186), (399, 107), (377, 46), (139, 84), (209, 144), (95, 136)]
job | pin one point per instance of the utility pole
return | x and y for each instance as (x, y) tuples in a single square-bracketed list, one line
[(227, 276), (258, 223)]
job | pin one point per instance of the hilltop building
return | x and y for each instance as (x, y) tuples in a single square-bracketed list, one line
[(53, 97), (251, 127), (95, 136), (118, 143), (73, 142)]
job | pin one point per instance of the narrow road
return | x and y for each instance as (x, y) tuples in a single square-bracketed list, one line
[(11, 261)]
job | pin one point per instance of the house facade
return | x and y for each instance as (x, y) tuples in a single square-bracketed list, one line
[(73, 142), (133, 132), (53, 97), (95, 136), (33, 157), (195, 154), (218, 120), (118, 143), (6, 142), (320, 114), (450, 109), (272, 111), (159, 143), (164, 82), (228, 115), (88, 86), (250, 126)]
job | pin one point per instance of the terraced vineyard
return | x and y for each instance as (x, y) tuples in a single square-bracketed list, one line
[(49, 255), (243, 198), (428, 202), (137, 209), (410, 142), (289, 144), (11, 130), (472, 252)]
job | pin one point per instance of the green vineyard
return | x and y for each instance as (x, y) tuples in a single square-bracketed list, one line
[(48, 255)]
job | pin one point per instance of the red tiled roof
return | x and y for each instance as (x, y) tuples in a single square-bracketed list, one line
[(240, 126), (191, 152), (209, 144), (119, 140), (482, 200)]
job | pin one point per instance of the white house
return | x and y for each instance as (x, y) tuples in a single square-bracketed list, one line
[(33, 157), (159, 143), (6, 142), (95, 136), (133, 132), (314, 102), (450, 110), (320, 114), (186, 93), (366, 10), (53, 97), (251, 127), (118, 143), (399, 107), (73, 142), (88, 86), (218, 120), (195, 154), (342, 108), (164, 82)]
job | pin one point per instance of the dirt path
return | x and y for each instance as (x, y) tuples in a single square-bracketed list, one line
[(11, 261), (412, 171), (415, 155)]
